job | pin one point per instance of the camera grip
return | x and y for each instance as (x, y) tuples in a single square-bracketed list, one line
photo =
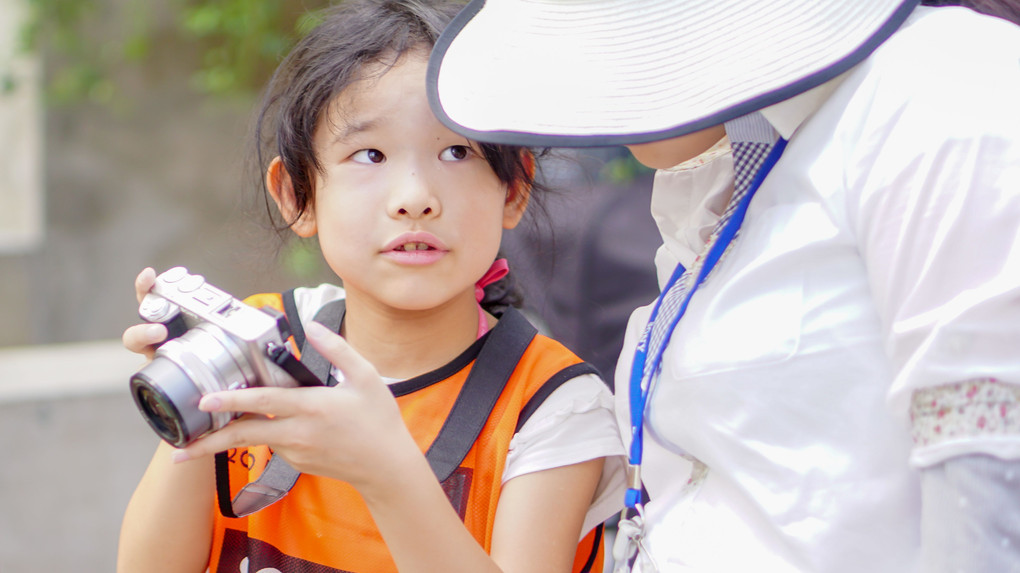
[(175, 327), (157, 310)]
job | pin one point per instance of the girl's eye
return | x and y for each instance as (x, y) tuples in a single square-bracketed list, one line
[(455, 153), (368, 156)]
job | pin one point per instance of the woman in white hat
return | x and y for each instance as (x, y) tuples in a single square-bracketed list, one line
[(830, 381)]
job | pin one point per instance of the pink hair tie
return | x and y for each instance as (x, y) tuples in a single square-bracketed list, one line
[(498, 270)]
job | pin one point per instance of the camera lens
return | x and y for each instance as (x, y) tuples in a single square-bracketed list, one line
[(160, 413), (168, 399)]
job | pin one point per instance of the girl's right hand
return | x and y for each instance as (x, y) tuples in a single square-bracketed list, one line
[(143, 338)]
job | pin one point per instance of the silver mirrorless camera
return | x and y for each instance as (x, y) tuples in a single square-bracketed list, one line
[(215, 342)]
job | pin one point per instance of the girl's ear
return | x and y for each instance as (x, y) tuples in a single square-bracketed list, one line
[(281, 189), (518, 195)]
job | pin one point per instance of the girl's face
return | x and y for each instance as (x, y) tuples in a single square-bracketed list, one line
[(408, 213)]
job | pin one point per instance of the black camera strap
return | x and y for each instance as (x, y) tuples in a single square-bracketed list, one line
[(495, 363), (279, 477)]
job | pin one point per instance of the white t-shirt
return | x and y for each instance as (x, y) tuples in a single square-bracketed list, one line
[(881, 257), (574, 424)]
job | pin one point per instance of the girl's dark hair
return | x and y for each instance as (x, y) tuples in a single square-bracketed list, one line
[(351, 36)]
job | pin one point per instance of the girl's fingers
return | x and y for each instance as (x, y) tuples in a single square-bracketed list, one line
[(142, 338), (267, 401), (335, 349), (239, 434), (317, 425), (144, 282)]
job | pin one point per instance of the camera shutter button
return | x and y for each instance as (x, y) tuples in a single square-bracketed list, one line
[(154, 308), (191, 284), (173, 275)]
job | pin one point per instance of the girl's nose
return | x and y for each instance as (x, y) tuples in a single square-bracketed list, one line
[(413, 197)]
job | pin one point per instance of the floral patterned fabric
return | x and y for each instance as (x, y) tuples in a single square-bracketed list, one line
[(965, 410)]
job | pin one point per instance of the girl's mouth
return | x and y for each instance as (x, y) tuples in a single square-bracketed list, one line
[(414, 247)]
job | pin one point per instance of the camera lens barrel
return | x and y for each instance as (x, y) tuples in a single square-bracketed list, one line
[(168, 399)]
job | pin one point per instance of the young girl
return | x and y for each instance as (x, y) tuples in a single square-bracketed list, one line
[(409, 216)]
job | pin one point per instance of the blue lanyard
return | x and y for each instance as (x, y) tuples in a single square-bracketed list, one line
[(640, 386)]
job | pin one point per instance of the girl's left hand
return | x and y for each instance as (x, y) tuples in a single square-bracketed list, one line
[(352, 432)]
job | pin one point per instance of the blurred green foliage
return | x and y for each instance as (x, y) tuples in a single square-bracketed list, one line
[(244, 38), (623, 169), (239, 42), (302, 258)]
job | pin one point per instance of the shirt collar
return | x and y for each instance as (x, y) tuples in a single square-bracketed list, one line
[(788, 115)]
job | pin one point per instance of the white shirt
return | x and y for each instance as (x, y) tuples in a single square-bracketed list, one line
[(880, 257)]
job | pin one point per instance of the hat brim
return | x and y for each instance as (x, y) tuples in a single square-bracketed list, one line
[(616, 72)]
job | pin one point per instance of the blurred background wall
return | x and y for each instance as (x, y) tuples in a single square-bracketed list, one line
[(122, 145), (140, 164)]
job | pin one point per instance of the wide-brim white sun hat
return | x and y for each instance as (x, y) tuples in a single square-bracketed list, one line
[(611, 72)]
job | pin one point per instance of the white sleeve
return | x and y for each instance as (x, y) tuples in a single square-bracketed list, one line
[(574, 424), (937, 211), (971, 516), (935, 199), (310, 299)]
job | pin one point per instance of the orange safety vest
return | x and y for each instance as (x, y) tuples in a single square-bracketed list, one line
[(323, 525)]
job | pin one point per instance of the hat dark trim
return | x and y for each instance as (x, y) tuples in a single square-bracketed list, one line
[(539, 140)]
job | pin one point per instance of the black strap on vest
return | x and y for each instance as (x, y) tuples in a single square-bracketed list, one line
[(297, 330), (496, 361), (492, 369), (550, 386), (594, 551), (331, 316)]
